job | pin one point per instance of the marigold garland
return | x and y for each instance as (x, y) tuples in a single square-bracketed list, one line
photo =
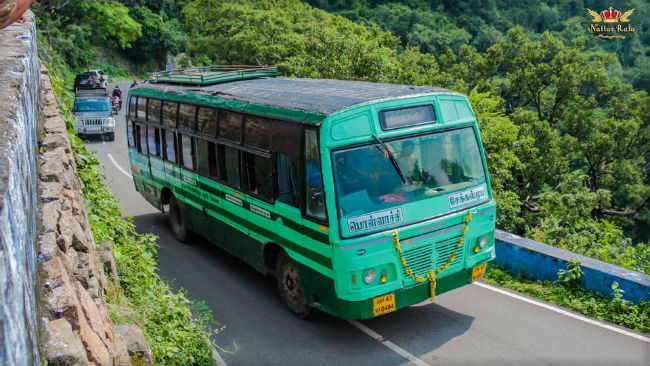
[(431, 275)]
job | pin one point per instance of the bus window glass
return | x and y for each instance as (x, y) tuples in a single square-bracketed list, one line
[(257, 132), (315, 195), (141, 133), (142, 108), (229, 162), (153, 110), (186, 115), (170, 146), (154, 141), (189, 156), (257, 176), (129, 134), (207, 121), (286, 137), (288, 182), (230, 125), (207, 156), (133, 102), (432, 165), (169, 111)]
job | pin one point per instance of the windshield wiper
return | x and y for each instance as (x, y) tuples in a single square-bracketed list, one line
[(392, 158)]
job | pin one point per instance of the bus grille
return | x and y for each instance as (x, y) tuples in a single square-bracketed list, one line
[(444, 249), (419, 261)]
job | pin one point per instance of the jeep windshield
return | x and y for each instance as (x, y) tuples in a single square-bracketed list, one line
[(92, 105), (371, 192)]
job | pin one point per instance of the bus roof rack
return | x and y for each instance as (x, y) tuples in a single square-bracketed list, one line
[(210, 75)]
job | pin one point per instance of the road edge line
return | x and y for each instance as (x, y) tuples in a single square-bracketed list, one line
[(110, 157), (564, 312), (217, 357), (388, 344)]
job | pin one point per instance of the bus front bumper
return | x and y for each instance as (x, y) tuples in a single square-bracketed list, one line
[(403, 297)]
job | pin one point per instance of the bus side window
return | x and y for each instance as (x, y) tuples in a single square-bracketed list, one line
[(188, 152), (314, 194), (258, 176), (288, 183), (230, 125), (229, 164), (207, 121), (257, 132), (129, 134), (153, 110), (153, 136), (142, 108), (170, 145), (133, 102), (207, 157), (169, 113), (141, 138), (186, 116)]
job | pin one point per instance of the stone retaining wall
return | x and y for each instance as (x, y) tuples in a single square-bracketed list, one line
[(72, 286)]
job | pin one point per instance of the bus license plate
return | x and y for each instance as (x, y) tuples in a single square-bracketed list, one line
[(478, 272), (383, 304)]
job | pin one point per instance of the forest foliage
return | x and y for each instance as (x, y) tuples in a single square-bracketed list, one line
[(568, 143), (564, 117)]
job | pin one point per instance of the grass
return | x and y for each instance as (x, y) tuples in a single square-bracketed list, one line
[(567, 294)]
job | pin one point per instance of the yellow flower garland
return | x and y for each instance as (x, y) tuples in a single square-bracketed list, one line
[(431, 275)]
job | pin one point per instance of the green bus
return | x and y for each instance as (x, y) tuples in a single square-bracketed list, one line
[(360, 198)]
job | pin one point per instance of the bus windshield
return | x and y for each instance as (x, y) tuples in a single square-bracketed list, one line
[(368, 181)]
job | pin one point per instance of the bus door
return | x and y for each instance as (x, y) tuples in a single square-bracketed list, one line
[(258, 187), (234, 209)]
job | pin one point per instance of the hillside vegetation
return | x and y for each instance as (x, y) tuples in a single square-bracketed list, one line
[(564, 117)]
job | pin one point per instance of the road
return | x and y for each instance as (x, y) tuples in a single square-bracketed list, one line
[(477, 324)]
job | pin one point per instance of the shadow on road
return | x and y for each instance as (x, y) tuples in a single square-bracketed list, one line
[(246, 302)]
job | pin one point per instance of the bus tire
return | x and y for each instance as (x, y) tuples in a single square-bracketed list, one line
[(290, 286), (176, 221), (111, 136)]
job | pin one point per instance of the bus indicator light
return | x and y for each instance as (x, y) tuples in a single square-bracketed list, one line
[(477, 249), (354, 279)]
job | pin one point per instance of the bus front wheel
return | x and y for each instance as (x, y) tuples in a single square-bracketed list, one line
[(290, 286), (176, 220)]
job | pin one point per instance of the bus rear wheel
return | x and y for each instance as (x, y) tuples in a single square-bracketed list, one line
[(290, 286), (176, 220)]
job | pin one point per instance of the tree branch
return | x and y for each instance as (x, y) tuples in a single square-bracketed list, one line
[(605, 211)]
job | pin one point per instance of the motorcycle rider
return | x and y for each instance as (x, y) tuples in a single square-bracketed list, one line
[(117, 92)]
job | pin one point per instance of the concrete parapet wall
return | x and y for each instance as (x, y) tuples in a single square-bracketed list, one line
[(539, 261), (19, 90)]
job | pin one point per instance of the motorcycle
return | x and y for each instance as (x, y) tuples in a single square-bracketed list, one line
[(117, 103)]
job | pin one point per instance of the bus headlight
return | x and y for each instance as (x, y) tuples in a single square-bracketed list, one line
[(110, 121), (483, 241), (369, 276)]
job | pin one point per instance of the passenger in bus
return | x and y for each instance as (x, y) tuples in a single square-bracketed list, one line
[(409, 163)]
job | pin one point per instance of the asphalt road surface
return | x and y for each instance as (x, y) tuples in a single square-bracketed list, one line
[(477, 324)]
